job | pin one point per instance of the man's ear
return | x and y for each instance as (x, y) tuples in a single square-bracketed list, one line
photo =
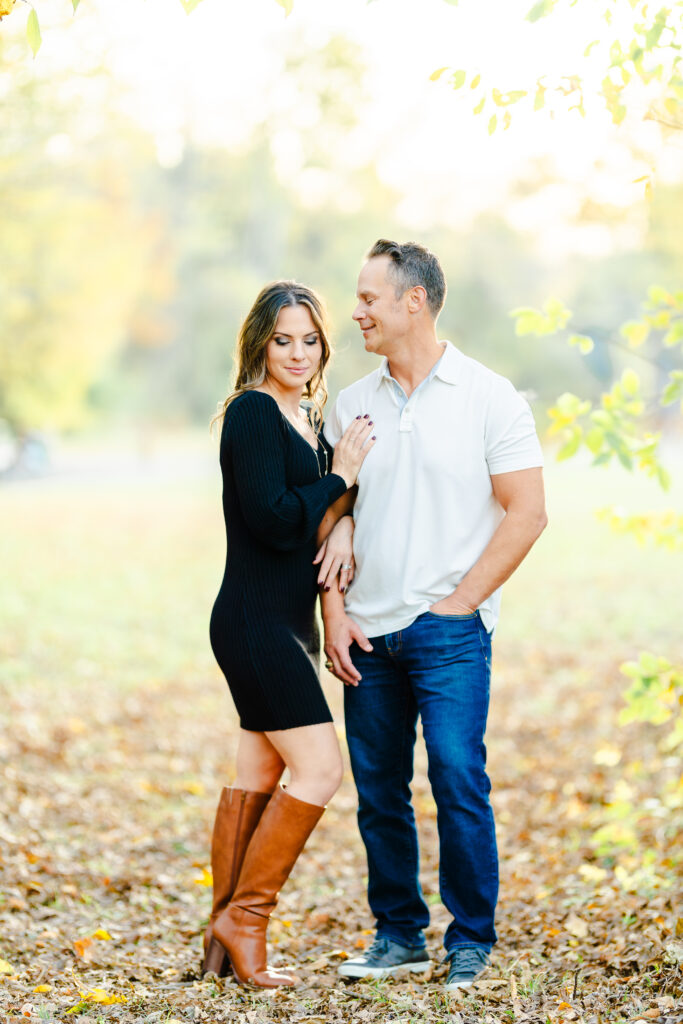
[(417, 297)]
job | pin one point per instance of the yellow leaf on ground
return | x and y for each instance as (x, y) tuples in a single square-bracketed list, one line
[(608, 755), (43, 988), (576, 926), (591, 873), (194, 787), (101, 933), (206, 878), (99, 995), (6, 968)]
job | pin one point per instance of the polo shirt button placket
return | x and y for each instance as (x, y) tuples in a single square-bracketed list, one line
[(406, 422)]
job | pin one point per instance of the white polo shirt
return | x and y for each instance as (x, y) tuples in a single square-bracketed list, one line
[(425, 509)]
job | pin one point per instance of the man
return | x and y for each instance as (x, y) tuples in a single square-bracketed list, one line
[(449, 502)]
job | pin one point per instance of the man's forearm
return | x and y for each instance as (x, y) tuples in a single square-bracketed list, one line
[(509, 545)]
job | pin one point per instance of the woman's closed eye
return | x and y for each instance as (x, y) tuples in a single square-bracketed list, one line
[(310, 340)]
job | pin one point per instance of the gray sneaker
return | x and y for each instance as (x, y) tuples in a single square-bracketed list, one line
[(385, 957), (466, 963)]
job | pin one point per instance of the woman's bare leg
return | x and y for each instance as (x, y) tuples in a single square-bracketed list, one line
[(259, 766), (313, 757)]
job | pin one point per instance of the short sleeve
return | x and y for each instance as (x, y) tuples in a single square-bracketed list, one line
[(510, 433)]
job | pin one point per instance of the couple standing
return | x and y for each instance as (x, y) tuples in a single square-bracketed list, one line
[(426, 484)]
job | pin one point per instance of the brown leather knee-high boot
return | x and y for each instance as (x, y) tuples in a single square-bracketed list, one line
[(241, 929), (237, 815)]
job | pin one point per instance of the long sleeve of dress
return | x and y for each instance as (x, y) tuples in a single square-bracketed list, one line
[(280, 516)]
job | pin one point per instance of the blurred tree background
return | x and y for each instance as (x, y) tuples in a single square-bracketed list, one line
[(126, 272)]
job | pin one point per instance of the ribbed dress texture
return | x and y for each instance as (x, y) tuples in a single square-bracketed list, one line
[(263, 631)]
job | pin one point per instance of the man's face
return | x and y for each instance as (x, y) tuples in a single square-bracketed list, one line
[(382, 317)]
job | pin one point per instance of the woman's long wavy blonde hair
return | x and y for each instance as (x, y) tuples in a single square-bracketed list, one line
[(258, 329)]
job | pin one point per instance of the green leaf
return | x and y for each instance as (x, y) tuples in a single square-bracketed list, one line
[(571, 446), (190, 5), (594, 439), (539, 98), (571, 405), (534, 321), (504, 99), (480, 106), (583, 343), (458, 79), (653, 35), (492, 124), (33, 32), (635, 332), (674, 335), (630, 382), (590, 46), (540, 10), (674, 389), (618, 114), (663, 475), (75, 4)]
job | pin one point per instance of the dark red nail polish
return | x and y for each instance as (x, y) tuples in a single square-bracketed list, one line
[(373, 438), (370, 423), (358, 416), (367, 416), (327, 588)]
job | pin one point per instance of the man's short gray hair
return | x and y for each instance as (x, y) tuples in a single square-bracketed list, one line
[(413, 264)]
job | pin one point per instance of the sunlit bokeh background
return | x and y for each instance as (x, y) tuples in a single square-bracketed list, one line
[(158, 168)]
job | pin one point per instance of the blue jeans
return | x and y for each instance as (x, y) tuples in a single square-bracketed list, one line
[(439, 668)]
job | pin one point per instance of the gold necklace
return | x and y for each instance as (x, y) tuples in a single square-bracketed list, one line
[(318, 445)]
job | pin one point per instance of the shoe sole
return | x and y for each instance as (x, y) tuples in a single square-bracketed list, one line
[(455, 986), (358, 971)]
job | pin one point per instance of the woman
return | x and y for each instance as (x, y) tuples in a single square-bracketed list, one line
[(279, 478)]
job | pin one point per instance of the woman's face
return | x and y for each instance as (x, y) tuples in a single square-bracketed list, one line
[(293, 353)]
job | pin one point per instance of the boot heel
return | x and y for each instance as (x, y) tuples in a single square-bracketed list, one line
[(216, 960)]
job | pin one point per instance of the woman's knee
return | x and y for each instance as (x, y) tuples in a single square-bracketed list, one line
[(324, 778)]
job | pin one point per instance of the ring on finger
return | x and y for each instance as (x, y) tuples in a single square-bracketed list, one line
[(346, 565), (328, 665)]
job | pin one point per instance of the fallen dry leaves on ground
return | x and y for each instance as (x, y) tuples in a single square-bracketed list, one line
[(109, 788)]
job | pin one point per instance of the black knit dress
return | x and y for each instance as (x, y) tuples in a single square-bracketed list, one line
[(264, 635)]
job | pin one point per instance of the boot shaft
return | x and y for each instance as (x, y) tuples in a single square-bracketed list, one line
[(279, 838)]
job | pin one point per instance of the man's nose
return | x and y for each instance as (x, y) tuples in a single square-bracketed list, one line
[(357, 313)]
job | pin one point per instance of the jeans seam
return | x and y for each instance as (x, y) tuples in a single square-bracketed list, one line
[(487, 661)]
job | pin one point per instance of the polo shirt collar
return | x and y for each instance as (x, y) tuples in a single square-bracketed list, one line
[(446, 369)]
